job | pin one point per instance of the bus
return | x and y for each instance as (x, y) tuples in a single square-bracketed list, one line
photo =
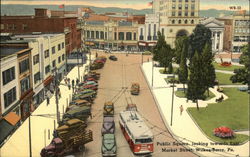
[(136, 132)]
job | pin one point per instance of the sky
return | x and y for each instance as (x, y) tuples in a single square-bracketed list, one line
[(135, 4)]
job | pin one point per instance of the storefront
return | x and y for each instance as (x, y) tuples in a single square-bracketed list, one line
[(26, 104), (39, 95)]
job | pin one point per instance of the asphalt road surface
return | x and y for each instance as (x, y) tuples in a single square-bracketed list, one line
[(116, 76)]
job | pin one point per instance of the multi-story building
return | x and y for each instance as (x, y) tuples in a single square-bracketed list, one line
[(115, 35), (177, 17), (241, 30), (44, 22), (48, 53), (148, 32), (9, 83), (228, 29), (217, 30)]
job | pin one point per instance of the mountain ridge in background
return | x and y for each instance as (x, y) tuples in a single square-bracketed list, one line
[(10, 9)]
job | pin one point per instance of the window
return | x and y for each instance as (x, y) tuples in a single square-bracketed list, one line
[(192, 6), (24, 66), (173, 6), (97, 34), (53, 50), (115, 35), (186, 6), (173, 13), (173, 0), (63, 57), (121, 35), (59, 47), (179, 13), (9, 97), (149, 29), (54, 63), (106, 35), (46, 53), (92, 34), (88, 34), (47, 69), (35, 59), (59, 59), (25, 26), (186, 21), (186, 0), (128, 36), (162, 31), (102, 35), (8, 75), (173, 21), (25, 84), (180, 6), (192, 21), (154, 29), (180, 0), (62, 45), (186, 13), (179, 21), (192, 13), (37, 77), (2, 26), (134, 36)]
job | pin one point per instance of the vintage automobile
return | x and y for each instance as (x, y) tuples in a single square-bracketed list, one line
[(109, 145), (131, 107), (93, 87), (108, 125), (108, 109), (114, 58), (88, 83), (135, 89)]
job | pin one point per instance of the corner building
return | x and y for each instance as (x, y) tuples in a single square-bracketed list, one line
[(177, 17)]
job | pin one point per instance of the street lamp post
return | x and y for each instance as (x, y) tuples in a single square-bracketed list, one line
[(56, 95), (78, 64), (152, 72), (172, 102)]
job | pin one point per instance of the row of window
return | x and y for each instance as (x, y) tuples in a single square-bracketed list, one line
[(53, 49), (101, 35), (183, 0), (242, 38), (24, 66), (60, 58), (13, 26), (9, 97), (182, 22), (242, 30), (242, 22), (8, 75), (186, 6), (180, 13)]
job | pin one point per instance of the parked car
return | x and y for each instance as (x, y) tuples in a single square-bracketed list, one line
[(135, 89), (108, 125), (108, 109), (88, 83), (114, 58), (109, 145), (93, 87), (90, 79)]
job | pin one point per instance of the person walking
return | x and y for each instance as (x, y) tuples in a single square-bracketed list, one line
[(47, 97), (77, 81), (181, 109), (59, 93), (73, 84)]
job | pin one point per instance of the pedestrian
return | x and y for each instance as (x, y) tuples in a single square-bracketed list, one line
[(65, 80), (68, 80), (181, 109), (73, 84), (69, 86), (59, 93), (77, 81), (47, 97)]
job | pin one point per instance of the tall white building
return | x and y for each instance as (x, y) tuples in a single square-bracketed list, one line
[(177, 17)]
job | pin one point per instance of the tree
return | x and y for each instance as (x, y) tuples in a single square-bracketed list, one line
[(165, 54), (198, 39), (242, 75), (160, 43), (208, 68), (183, 71), (180, 44), (196, 87)]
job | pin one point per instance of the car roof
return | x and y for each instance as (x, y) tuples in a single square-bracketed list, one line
[(109, 136)]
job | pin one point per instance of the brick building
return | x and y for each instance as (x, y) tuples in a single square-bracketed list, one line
[(44, 22)]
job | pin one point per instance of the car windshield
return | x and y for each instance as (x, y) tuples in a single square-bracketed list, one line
[(146, 140), (108, 106)]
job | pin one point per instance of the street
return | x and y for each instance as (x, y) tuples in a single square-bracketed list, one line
[(114, 85)]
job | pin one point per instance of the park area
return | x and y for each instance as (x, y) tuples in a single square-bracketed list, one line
[(218, 66), (232, 113)]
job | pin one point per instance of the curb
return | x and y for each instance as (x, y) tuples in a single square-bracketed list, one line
[(162, 116)]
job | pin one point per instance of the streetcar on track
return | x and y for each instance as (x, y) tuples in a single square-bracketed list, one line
[(136, 132)]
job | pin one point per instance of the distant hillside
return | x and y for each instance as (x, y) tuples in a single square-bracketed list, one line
[(29, 10)]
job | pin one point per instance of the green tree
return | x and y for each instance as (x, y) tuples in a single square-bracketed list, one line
[(180, 44), (157, 49), (196, 88), (198, 39), (183, 70), (242, 75), (208, 74), (165, 54)]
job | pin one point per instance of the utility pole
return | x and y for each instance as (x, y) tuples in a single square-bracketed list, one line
[(152, 72), (89, 58), (56, 94), (78, 64), (172, 102), (141, 58), (30, 145)]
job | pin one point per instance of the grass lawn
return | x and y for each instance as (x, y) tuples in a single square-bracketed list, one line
[(224, 79), (217, 66), (161, 70), (181, 94), (233, 113)]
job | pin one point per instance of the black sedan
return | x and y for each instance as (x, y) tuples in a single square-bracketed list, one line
[(114, 58)]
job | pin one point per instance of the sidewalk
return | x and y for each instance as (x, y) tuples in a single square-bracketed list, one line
[(43, 120), (184, 129)]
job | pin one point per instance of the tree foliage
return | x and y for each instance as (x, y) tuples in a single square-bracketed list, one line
[(208, 74), (181, 48), (183, 70), (242, 75), (198, 39), (196, 88), (159, 45)]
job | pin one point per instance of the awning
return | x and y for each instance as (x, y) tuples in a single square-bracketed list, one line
[(12, 118), (5, 130), (47, 80)]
